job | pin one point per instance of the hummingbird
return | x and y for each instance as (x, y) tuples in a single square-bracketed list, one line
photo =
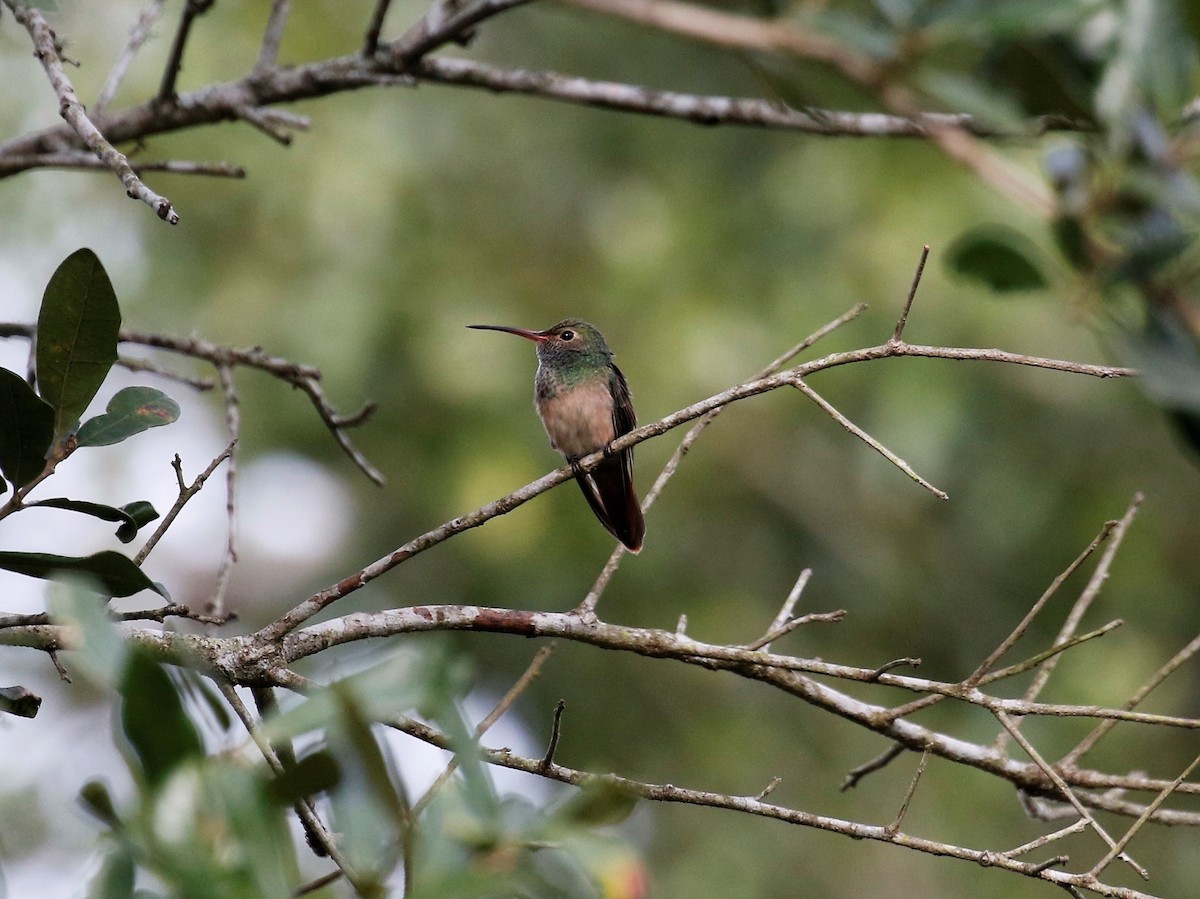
[(584, 404)]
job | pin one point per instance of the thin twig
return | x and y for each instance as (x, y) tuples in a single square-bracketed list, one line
[(137, 36), (191, 9), (785, 611), (268, 52), (47, 51), (80, 159), (898, 334), (1074, 828), (531, 673), (555, 733), (1019, 631), (442, 24), (1066, 792), (1034, 661), (233, 425), (1137, 825), (1087, 743), (312, 822), (906, 662), (588, 605), (880, 761), (371, 42), (767, 639), (908, 795), (752, 806), (1116, 535), (769, 788), (323, 881), (185, 494), (866, 438)]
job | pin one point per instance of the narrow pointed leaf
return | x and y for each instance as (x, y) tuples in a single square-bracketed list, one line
[(129, 412), (114, 573), (26, 429), (76, 336), (154, 719), (131, 517)]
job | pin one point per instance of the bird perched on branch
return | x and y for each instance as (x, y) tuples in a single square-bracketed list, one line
[(584, 404)]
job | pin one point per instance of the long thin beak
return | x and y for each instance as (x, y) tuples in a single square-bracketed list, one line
[(520, 332)]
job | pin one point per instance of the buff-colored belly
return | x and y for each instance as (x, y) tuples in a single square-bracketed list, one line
[(579, 421)]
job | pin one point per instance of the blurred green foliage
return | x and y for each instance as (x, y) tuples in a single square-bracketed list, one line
[(404, 215)]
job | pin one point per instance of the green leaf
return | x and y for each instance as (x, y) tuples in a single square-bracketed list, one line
[(394, 686), (116, 877), (96, 799), (314, 773), (129, 412), (116, 574), (140, 514), (76, 336), (96, 648), (26, 429), (154, 720), (997, 257), (20, 702), (597, 803), (132, 516)]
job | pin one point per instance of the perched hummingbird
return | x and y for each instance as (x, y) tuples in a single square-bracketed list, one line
[(584, 404)]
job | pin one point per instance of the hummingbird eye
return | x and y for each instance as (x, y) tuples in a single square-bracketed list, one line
[(566, 335)]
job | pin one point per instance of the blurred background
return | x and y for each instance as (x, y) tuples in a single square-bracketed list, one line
[(701, 253)]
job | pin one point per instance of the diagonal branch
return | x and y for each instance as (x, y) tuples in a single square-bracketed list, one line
[(47, 50)]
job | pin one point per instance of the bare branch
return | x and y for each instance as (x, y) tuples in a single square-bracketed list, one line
[(1067, 793), (898, 333), (233, 424), (371, 42), (555, 732), (785, 611), (191, 9), (268, 52), (82, 160), (137, 36), (894, 827), (1087, 743), (185, 493), (754, 806), (880, 761), (359, 579), (47, 51), (866, 438)]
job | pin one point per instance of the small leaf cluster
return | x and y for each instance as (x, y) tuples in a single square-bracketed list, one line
[(76, 346)]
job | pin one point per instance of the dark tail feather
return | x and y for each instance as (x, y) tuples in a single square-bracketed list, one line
[(609, 492)]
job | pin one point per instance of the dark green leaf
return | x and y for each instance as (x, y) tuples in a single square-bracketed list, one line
[(26, 429), (113, 572), (997, 257), (116, 877), (314, 773), (20, 702), (154, 720), (142, 513), (76, 336), (96, 799), (129, 412), (596, 804)]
